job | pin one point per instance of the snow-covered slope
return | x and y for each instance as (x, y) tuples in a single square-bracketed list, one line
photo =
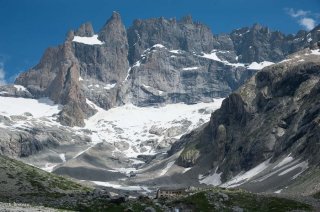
[(128, 132), (143, 130), (36, 107)]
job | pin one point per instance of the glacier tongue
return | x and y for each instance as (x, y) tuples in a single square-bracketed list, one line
[(144, 130)]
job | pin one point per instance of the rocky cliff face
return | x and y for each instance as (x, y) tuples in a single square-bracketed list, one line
[(57, 77), (107, 62), (275, 114), (166, 76), (184, 34), (155, 61), (259, 43)]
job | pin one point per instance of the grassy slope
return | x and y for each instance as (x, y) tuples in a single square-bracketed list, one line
[(226, 200), (18, 178), (23, 183)]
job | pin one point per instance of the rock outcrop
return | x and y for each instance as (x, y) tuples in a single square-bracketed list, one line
[(184, 34), (274, 114), (57, 77), (259, 43), (107, 62), (26, 142)]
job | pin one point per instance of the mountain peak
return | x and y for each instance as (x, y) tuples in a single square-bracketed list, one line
[(115, 16), (187, 19), (257, 26), (85, 30), (113, 23)]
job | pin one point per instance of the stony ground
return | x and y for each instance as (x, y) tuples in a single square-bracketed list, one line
[(18, 207)]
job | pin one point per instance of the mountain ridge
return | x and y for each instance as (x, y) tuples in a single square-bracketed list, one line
[(130, 108), (114, 69)]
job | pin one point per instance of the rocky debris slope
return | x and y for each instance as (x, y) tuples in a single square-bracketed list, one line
[(26, 188), (154, 61), (259, 43), (265, 133), (23, 187), (23, 143), (29, 128)]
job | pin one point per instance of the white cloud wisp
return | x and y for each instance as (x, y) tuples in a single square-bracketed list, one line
[(2, 74), (307, 23), (306, 19)]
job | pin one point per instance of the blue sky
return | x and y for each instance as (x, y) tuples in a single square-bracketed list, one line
[(28, 27)]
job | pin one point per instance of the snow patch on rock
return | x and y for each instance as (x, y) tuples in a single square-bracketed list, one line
[(190, 68), (88, 40), (109, 86), (284, 161), (166, 169), (244, 177), (213, 56), (213, 179), (20, 88), (259, 66)]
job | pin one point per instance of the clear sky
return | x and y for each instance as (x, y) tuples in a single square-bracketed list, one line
[(28, 27)]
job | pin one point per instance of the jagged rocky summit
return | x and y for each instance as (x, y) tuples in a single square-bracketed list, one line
[(153, 62)]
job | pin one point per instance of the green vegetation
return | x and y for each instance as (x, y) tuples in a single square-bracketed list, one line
[(24, 183), (254, 202), (132, 205), (317, 195), (218, 199), (198, 202), (189, 156), (28, 184), (38, 179)]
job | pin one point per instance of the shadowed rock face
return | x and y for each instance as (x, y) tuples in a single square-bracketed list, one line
[(85, 30), (67, 90), (259, 43), (273, 114), (108, 62), (183, 34), (155, 61), (57, 77)]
